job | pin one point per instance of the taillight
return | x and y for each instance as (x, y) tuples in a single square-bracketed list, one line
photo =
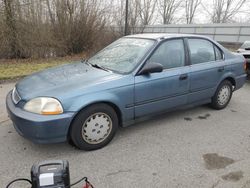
[(245, 65)]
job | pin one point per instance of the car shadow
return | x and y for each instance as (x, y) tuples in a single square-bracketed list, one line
[(188, 114)]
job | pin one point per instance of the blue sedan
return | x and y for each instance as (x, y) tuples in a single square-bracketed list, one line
[(136, 76)]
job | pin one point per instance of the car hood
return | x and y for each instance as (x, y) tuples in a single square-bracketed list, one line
[(66, 78)]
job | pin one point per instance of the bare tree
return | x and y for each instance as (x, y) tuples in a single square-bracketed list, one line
[(11, 31), (167, 9), (42, 28), (146, 11), (134, 15), (223, 11), (117, 20), (52, 18), (190, 9)]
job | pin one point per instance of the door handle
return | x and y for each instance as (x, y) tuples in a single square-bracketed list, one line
[(183, 77), (221, 69)]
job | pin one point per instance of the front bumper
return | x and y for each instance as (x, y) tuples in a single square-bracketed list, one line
[(39, 128)]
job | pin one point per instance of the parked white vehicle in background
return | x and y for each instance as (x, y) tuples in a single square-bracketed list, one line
[(245, 51)]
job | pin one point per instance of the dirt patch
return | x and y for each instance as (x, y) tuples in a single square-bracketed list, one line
[(233, 110), (213, 161), (118, 172), (11, 80), (233, 176), (188, 119), (204, 117), (215, 184), (247, 184), (154, 173)]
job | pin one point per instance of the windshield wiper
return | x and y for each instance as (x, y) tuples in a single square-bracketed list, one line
[(95, 65), (99, 67), (85, 61)]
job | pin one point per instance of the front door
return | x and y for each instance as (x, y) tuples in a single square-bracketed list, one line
[(159, 92)]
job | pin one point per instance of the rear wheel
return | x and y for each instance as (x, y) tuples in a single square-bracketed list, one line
[(94, 127), (223, 95)]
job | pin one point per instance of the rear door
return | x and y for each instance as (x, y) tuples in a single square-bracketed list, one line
[(158, 92), (207, 68)]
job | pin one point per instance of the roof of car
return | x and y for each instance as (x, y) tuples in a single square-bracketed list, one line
[(162, 35)]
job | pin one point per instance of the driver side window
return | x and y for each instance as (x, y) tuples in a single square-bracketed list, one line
[(169, 54)]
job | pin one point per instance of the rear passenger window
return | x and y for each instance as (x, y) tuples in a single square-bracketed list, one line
[(201, 51)]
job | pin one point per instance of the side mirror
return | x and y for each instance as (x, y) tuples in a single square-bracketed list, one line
[(247, 48), (151, 68)]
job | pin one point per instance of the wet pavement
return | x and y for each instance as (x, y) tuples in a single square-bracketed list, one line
[(198, 147)]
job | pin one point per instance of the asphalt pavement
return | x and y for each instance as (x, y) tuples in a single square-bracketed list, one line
[(193, 148)]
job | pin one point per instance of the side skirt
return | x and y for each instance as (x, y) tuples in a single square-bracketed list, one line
[(152, 116)]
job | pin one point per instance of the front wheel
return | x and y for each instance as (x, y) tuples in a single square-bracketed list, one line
[(94, 127), (222, 95)]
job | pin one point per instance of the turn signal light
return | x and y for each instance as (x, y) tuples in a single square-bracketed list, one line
[(56, 111)]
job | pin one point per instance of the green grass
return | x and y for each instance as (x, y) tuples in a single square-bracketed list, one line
[(13, 69)]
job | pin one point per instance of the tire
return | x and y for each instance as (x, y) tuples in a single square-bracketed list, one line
[(222, 95), (94, 127)]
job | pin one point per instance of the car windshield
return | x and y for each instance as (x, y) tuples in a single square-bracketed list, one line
[(123, 55), (245, 45)]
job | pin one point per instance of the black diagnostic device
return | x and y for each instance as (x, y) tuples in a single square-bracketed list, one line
[(50, 174)]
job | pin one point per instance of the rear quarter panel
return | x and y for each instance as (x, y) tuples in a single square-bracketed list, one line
[(235, 63)]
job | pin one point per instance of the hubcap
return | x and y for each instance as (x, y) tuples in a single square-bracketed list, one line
[(224, 95), (96, 128)]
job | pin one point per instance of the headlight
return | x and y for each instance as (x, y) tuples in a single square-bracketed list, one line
[(44, 105)]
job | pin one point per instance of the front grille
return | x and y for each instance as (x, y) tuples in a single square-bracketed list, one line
[(15, 96)]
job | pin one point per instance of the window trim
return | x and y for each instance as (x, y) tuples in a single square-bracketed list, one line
[(221, 53), (201, 38)]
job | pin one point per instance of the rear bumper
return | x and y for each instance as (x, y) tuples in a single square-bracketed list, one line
[(39, 128), (248, 66), (240, 81)]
